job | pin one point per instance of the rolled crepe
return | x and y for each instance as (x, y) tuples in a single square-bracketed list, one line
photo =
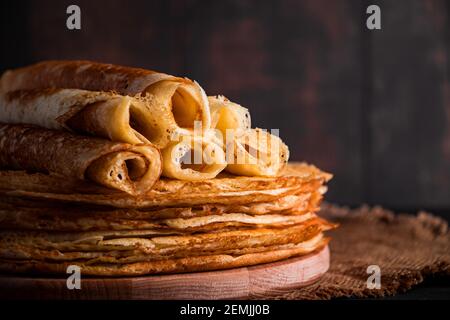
[(119, 118), (130, 168), (180, 101), (256, 153), (228, 115), (193, 158)]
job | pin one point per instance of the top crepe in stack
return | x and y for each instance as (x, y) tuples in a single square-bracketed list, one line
[(92, 140)]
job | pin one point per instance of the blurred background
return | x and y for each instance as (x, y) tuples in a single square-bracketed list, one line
[(372, 107)]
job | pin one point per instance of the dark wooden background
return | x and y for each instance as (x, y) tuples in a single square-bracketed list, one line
[(372, 107)]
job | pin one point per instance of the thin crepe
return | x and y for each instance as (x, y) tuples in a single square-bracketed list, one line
[(133, 169), (193, 158), (58, 219), (224, 189), (179, 101), (133, 120), (151, 241), (23, 214), (178, 265), (285, 205), (18, 253), (227, 115), (256, 153)]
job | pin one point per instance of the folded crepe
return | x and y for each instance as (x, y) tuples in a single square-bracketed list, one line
[(256, 153), (193, 158), (130, 168), (119, 118), (177, 102), (249, 152), (227, 115)]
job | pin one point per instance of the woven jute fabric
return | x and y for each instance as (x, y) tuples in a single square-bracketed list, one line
[(406, 248)]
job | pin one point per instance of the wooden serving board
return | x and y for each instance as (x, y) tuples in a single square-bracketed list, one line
[(240, 283)]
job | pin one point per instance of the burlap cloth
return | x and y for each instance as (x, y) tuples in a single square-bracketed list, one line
[(407, 249)]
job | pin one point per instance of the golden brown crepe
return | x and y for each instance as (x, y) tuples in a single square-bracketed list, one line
[(24, 214), (178, 102), (193, 158), (133, 169), (74, 135), (256, 153), (133, 120), (20, 252), (29, 244), (290, 204), (177, 265), (224, 189), (53, 219), (249, 152), (227, 115), (160, 239)]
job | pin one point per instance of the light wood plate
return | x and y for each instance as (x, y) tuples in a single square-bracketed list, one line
[(240, 283)]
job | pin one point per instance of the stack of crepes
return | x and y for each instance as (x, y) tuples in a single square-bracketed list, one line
[(98, 170)]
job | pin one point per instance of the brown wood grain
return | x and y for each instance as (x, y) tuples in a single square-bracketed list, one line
[(240, 283)]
